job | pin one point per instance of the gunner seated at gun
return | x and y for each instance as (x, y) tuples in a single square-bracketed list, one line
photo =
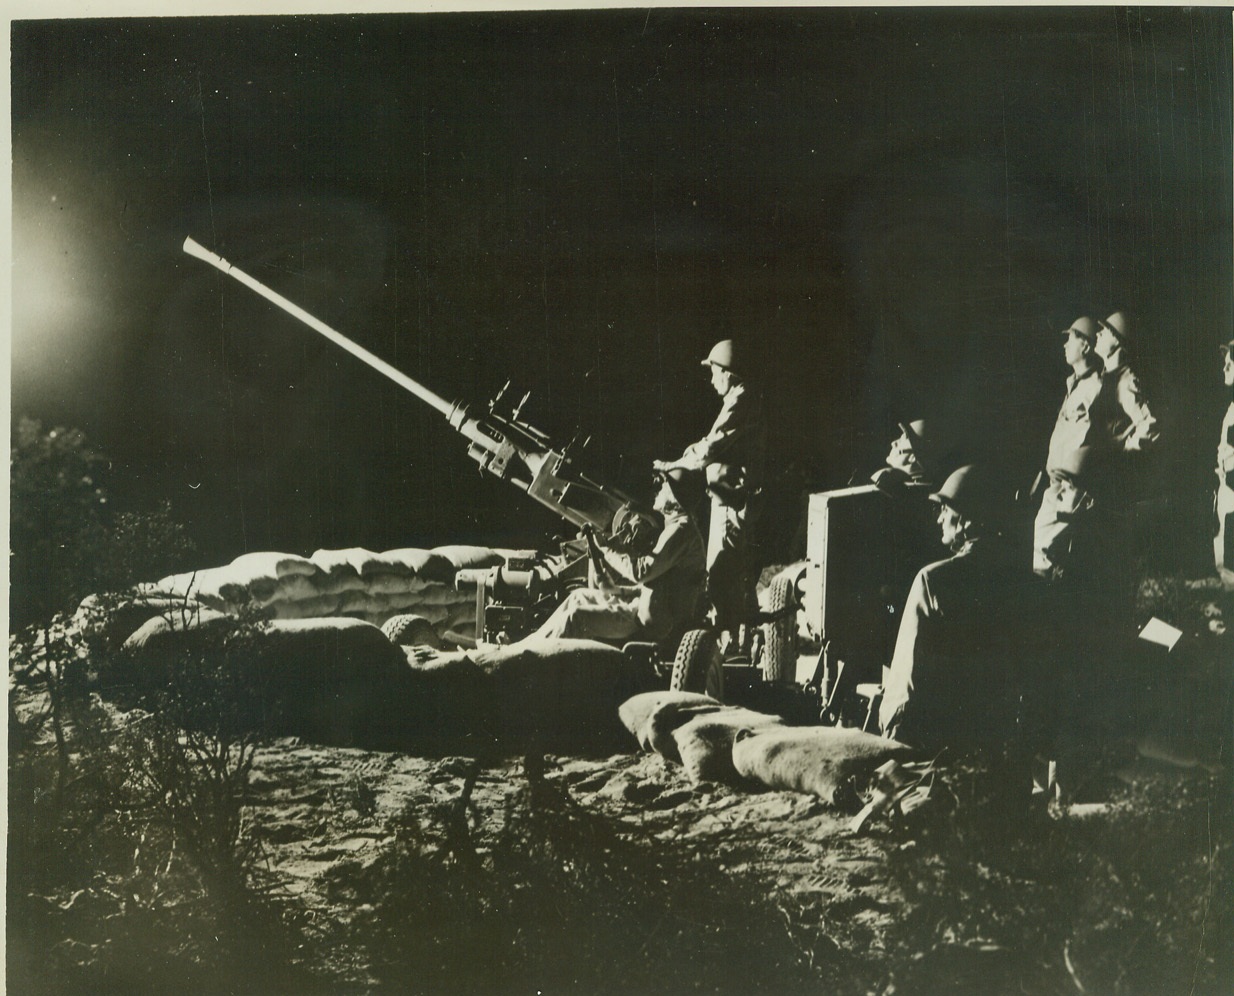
[(651, 597)]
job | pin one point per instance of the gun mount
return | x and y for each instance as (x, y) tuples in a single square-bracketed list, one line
[(502, 445)]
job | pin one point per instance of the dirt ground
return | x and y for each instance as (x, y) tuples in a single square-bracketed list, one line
[(396, 872), (324, 815)]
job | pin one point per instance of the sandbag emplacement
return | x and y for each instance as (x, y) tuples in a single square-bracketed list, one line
[(830, 762), (564, 692), (343, 682), (332, 681), (354, 583)]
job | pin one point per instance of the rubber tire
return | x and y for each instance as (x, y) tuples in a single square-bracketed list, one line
[(408, 630), (698, 666), (780, 636)]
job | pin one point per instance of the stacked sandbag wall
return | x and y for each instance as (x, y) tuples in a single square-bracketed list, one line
[(353, 583)]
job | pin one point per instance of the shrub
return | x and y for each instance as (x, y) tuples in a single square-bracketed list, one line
[(66, 539)]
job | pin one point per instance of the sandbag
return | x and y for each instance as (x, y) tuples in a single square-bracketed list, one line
[(705, 743), (115, 618), (463, 557), (653, 716), (197, 586), (425, 564), (157, 628), (823, 760), (333, 681), (343, 561), (393, 584), (318, 607), (278, 565), (564, 691)]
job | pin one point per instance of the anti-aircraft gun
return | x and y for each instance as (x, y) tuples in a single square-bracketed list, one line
[(510, 598)]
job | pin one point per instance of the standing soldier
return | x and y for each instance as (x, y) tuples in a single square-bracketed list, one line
[(1122, 406), (731, 455), (1074, 428), (1223, 543)]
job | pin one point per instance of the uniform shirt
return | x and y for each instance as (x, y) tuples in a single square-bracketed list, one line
[(1225, 449), (668, 582), (1122, 411), (1074, 427), (1223, 506), (955, 657), (737, 439)]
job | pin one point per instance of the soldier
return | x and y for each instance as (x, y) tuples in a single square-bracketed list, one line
[(913, 471), (1074, 428), (1091, 558), (1121, 404), (1223, 542), (731, 456), (953, 670), (911, 464), (652, 597)]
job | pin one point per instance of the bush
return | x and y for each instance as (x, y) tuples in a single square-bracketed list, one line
[(66, 539), (1102, 904), (557, 899), (132, 867)]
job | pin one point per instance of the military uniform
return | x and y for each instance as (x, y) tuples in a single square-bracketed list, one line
[(662, 597), (731, 455), (950, 675), (1122, 410), (1073, 429), (1223, 542)]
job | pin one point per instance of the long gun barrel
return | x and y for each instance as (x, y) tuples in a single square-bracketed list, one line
[(504, 446), (376, 362)]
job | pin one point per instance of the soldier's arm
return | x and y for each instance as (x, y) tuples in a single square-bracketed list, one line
[(898, 688), (733, 422), (668, 551), (1144, 432)]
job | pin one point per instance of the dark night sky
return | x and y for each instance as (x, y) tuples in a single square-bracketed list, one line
[(898, 208)]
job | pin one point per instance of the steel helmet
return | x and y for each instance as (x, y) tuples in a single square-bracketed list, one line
[(1119, 324), (721, 356), (971, 490), (917, 434), (1085, 328)]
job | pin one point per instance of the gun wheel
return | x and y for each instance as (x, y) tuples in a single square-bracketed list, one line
[(407, 630), (780, 635), (698, 666)]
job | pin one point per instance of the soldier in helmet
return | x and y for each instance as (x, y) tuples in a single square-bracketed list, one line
[(1121, 403), (953, 668), (1091, 557), (1223, 542), (1074, 427), (912, 462), (731, 457), (651, 597)]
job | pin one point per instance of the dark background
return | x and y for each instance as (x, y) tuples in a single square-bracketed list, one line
[(898, 209)]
